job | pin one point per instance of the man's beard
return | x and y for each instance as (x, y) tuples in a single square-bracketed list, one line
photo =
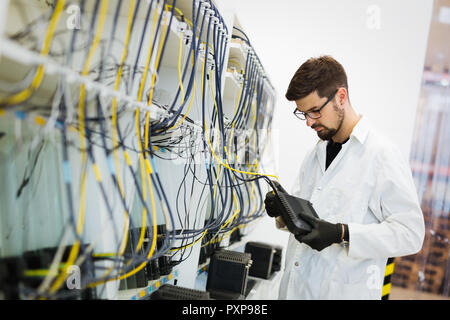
[(328, 133)]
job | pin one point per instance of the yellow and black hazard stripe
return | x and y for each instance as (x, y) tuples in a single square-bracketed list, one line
[(387, 279)]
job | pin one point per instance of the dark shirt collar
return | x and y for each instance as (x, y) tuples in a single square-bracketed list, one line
[(331, 143)]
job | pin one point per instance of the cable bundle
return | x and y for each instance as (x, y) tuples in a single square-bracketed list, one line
[(112, 122)]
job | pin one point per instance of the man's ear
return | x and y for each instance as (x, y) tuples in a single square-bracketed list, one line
[(342, 95)]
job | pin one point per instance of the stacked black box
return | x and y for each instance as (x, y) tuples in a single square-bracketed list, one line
[(227, 274), (17, 273), (262, 257), (208, 247), (11, 277), (164, 262), (139, 279), (276, 263), (266, 259), (171, 292), (156, 267)]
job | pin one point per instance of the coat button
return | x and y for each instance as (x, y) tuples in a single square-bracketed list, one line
[(296, 264), (319, 188)]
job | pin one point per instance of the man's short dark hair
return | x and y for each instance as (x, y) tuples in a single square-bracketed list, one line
[(323, 74)]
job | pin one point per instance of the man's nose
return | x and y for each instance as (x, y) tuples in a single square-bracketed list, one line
[(309, 121)]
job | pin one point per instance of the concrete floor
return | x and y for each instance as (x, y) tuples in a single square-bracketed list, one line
[(398, 293)]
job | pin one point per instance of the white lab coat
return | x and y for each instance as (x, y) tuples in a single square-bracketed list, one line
[(368, 186)]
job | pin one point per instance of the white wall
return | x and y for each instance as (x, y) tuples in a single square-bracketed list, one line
[(384, 64), (3, 10), (380, 43)]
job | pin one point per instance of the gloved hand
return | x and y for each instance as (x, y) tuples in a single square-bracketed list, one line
[(280, 224), (273, 207), (322, 235)]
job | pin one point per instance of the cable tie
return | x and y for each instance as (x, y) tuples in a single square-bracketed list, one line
[(59, 124), (20, 115), (66, 172), (111, 165), (153, 164)]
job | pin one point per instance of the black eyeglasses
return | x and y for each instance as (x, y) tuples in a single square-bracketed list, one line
[(315, 114)]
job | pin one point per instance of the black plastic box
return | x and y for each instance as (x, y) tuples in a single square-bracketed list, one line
[(171, 292), (227, 274), (262, 257)]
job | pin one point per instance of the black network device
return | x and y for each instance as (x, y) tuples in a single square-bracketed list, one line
[(293, 209), (276, 263), (227, 274), (171, 292), (262, 259)]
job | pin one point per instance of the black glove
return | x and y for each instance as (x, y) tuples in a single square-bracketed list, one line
[(322, 235), (273, 207)]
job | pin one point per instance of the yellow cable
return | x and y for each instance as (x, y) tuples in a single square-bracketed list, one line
[(137, 112), (234, 122), (234, 229), (144, 172), (187, 111), (191, 244), (144, 211), (168, 6), (218, 160), (225, 165), (229, 233), (204, 233), (149, 56), (190, 103), (102, 255), (188, 21), (235, 62), (35, 84), (153, 246), (152, 249), (227, 222), (152, 87), (158, 57), (114, 126), (142, 265), (146, 133), (115, 138), (81, 210), (217, 111), (41, 272), (214, 99), (114, 129)]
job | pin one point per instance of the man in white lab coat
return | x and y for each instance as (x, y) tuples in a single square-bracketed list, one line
[(361, 187)]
